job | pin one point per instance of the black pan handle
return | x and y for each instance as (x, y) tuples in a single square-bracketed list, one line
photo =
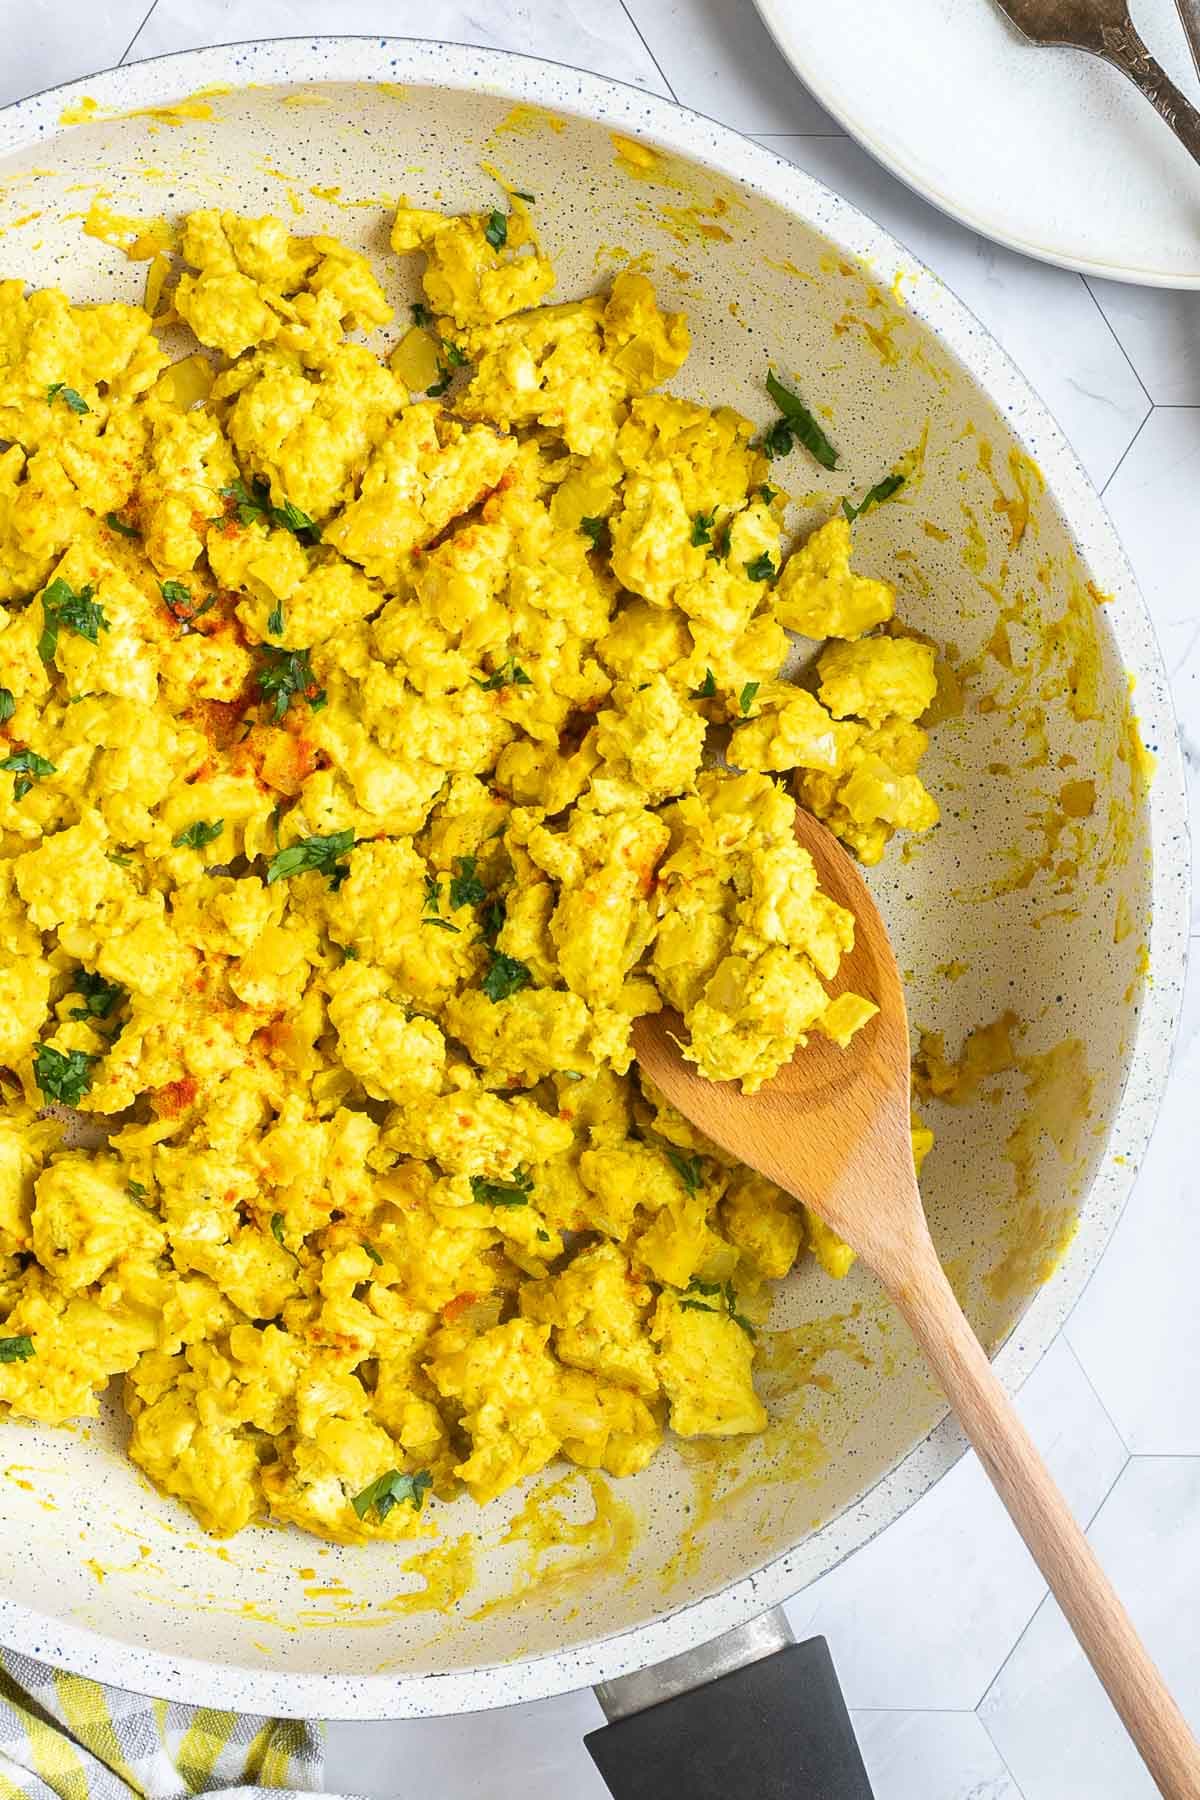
[(773, 1728)]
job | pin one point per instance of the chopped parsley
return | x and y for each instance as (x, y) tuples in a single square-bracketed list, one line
[(349, 950), (761, 569), (135, 1190), (286, 675), (491, 921), (702, 528), (466, 889), (66, 1078), (505, 976), (530, 199), (421, 314), (707, 688), (688, 1169), (320, 853), (275, 619), (883, 490), (454, 356), (116, 524), (277, 1227), (597, 531), (442, 924), (715, 1291), (99, 996), (746, 697), (15, 1349), (178, 601), (387, 1491), (199, 834), (496, 230), (513, 1192), (766, 493), (58, 390), (254, 503), (795, 423), (8, 705), (374, 1255), (63, 605), (27, 766), (445, 375), (509, 674)]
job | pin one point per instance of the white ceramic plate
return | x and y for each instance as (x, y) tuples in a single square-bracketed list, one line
[(1049, 151)]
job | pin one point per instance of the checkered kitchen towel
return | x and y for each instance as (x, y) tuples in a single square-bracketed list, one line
[(65, 1738)]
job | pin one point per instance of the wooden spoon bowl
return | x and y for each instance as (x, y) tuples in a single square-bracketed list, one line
[(832, 1128)]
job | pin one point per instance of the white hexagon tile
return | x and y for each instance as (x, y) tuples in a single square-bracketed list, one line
[(963, 1681)]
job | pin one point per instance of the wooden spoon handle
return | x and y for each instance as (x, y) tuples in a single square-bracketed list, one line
[(917, 1283)]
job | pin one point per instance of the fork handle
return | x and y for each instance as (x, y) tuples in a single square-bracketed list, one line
[(1121, 46), (917, 1283)]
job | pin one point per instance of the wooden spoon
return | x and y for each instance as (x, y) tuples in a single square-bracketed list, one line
[(833, 1128)]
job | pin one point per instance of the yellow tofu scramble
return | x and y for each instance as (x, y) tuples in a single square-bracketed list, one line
[(385, 732)]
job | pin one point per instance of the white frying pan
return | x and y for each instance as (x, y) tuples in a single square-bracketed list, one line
[(1015, 904)]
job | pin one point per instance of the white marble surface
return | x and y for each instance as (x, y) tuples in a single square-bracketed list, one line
[(962, 1678)]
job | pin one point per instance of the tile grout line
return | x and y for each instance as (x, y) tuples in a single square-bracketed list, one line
[(1047, 1597), (645, 47), (1116, 340), (1065, 1335), (137, 34), (1120, 461)]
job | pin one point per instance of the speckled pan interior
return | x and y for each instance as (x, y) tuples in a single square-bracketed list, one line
[(1055, 881)]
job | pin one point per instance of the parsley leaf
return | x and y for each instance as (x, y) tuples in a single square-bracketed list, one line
[(178, 601), (350, 951), (445, 375), (15, 1349), (796, 422), (707, 688), (26, 765), (433, 893), (522, 195), (135, 1190), (64, 1078), (60, 390), (883, 490), (61, 605), (255, 503), (374, 1255), (389, 1490), (8, 705), (275, 619), (732, 1309), (597, 531), (766, 493), (762, 568), (286, 675), (496, 230), (199, 834), (505, 976), (277, 1228), (509, 674), (513, 1192), (442, 924), (702, 527), (454, 356), (688, 1169), (313, 853), (116, 524), (491, 921), (713, 1290), (99, 996), (466, 889), (421, 314), (746, 697)]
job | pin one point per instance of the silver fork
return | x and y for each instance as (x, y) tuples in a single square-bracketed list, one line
[(1105, 28), (1189, 15)]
